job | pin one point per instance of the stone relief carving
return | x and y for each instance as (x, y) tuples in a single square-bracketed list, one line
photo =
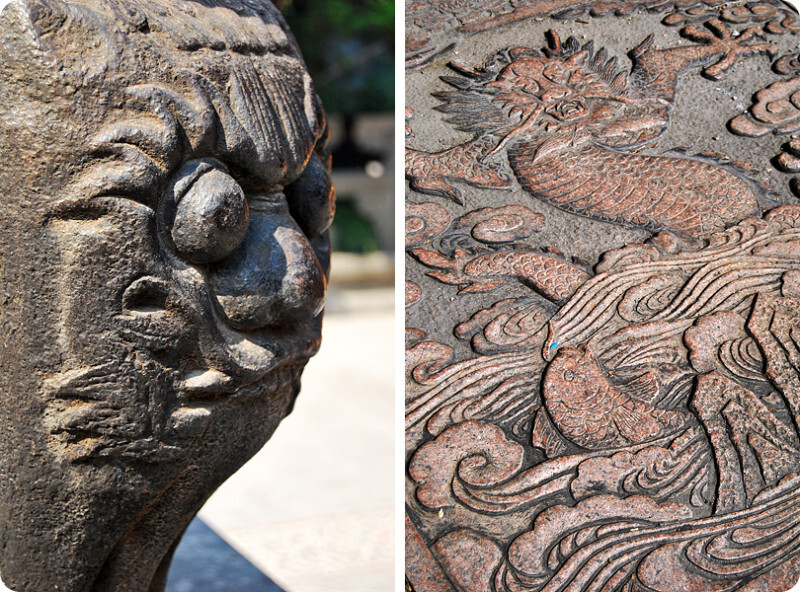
[(619, 412), (163, 263), (563, 116), (432, 27)]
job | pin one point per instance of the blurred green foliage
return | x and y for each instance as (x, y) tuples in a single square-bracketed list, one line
[(351, 231), (348, 46)]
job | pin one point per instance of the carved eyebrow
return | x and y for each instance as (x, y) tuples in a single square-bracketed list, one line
[(258, 143), (157, 135), (137, 154)]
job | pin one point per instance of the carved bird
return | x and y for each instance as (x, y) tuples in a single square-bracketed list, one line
[(568, 120), (593, 413)]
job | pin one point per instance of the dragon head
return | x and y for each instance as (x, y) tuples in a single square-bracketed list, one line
[(564, 89)]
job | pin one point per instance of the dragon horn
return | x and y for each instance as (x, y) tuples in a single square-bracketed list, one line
[(554, 43), (470, 72)]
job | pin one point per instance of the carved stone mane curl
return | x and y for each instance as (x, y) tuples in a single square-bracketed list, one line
[(256, 28)]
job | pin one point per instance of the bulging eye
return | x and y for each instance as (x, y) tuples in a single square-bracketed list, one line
[(212, 215), (531, 86), (569, 375), (311, 198), (555, 74)]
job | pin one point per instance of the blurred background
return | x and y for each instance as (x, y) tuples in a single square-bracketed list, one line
[(348, 46), (313, 511)]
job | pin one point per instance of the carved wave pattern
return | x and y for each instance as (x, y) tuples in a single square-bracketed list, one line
[(712, 502)]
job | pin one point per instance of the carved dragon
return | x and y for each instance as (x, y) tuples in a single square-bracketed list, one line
[(569, 122)]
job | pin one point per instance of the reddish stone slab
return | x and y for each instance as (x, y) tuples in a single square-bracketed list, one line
[(603, 306)]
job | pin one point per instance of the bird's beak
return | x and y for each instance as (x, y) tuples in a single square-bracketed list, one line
[(588, 355)]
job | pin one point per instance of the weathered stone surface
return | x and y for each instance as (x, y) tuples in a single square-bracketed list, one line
[(602, 296), (163, 263)]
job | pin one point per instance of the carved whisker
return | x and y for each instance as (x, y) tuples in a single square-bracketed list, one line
[(609, 96)]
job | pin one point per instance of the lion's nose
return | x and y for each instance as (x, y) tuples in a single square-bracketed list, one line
[(273, 278)]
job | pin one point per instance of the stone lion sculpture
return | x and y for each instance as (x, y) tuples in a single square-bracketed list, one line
[(163, 263)]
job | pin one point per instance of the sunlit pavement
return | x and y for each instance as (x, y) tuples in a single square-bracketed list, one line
[(314, 509)]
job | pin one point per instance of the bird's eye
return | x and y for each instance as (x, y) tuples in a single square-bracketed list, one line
[(212, 215), (569, 375)]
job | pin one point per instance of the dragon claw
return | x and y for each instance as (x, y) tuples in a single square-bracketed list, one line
[(718, 35)]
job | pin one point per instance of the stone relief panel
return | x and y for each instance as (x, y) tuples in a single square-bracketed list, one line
[(602, 297)]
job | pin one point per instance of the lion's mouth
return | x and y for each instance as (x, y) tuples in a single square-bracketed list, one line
[(205, 390), (247, 366)]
